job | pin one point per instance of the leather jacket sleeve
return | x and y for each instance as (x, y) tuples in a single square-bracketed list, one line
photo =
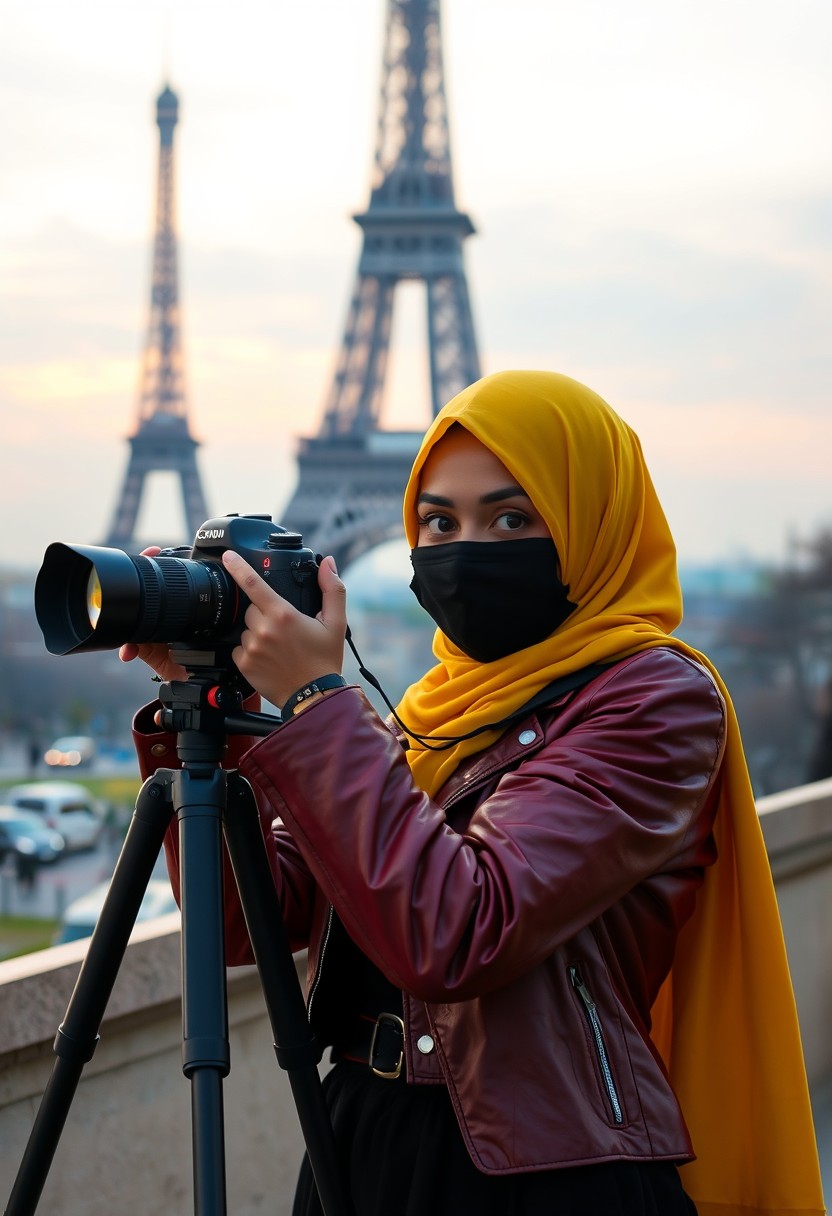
[(458, 896)]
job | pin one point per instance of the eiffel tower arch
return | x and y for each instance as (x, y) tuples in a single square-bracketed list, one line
[(352, 474), (162, 441)]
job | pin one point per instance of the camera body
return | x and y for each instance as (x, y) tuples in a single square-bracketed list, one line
[(92, 598), (278, 556)]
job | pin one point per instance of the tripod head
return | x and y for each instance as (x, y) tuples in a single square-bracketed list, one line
[(207, 706)]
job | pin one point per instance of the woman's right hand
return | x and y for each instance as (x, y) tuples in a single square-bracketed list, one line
[(157, 655)]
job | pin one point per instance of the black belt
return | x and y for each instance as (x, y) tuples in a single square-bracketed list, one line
[(377, 1042)]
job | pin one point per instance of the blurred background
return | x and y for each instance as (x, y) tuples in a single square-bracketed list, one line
[(650, 187)]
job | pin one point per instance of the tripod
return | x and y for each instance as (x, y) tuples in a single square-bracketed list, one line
[(209, 802)]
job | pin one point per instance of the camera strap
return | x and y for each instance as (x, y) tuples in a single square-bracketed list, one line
[(552, 692)]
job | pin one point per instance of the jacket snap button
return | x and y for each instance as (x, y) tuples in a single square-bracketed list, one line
[(425, 1044), (526, 736)]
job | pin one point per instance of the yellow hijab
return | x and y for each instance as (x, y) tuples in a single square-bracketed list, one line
[(725, 1021)]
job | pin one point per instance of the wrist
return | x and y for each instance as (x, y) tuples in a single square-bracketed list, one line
[(307, 701), (314, 690)]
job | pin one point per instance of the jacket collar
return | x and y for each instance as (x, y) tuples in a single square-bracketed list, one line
[(520, 740)]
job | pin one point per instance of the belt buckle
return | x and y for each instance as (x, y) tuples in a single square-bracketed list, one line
[(396, 1021)]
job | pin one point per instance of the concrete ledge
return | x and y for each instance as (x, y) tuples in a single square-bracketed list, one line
[(35, 990), (35, 986), (797, 829), (127, 1140)]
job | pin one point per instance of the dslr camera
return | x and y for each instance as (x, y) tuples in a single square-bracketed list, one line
[(92, 598)]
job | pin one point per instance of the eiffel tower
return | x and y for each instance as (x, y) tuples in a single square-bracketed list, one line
[(352, 473), (162, 441)]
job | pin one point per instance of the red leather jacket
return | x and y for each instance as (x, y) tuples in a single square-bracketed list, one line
[(529, 912)]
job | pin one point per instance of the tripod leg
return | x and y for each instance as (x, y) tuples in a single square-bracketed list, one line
[(77, 1036), (297, 1049), (199, 799)]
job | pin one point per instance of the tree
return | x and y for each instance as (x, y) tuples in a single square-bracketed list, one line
[(778, 646)]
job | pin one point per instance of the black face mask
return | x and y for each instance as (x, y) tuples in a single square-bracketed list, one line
[(491, 598)]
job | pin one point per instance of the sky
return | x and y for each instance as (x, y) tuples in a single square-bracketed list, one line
[(651, 184)]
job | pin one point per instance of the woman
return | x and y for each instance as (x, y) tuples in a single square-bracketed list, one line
[(548, 884)]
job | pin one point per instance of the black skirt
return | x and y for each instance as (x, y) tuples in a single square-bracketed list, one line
[(402, 1154)]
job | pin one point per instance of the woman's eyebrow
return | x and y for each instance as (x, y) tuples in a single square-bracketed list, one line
[(436, 500), (506, 492)]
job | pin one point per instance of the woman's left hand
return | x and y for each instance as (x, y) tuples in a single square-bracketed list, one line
[(282, 649)]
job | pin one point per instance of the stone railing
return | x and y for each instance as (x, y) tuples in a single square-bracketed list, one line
[(797, 827), (126, 1145)]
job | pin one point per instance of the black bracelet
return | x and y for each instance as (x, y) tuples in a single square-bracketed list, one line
[(322, 684)]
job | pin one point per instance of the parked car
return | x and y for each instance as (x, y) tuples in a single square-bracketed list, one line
[(66, 808), (71, 751), (82, 914), (23, 834)]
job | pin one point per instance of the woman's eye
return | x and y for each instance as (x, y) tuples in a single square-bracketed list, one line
[(510, 521), (437, 525)]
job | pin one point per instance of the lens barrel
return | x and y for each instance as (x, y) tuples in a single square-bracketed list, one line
[(92, 598)]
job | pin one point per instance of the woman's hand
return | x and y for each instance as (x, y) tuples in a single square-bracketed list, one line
[(282, 649), (156, 654)]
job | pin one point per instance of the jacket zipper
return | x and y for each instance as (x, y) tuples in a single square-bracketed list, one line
[(600, 1046), (319, 971)]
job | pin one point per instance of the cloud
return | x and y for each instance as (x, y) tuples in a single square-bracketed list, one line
[(712, 323)]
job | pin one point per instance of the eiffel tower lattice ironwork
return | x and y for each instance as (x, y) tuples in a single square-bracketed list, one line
[(162, 441), (352, 474)]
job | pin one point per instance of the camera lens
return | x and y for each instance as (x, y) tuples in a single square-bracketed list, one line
[(93, 598), (89, 598)]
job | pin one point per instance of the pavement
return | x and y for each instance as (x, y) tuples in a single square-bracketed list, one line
[(54, 886)]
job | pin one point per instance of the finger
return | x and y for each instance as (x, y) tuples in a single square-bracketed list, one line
[(128, 652), (151, 551), (248, 580), (333, 612)]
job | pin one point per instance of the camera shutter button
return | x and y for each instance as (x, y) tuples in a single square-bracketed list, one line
[(284, 540)]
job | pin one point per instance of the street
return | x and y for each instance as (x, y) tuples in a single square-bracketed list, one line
[(15, 762), (56, 886)]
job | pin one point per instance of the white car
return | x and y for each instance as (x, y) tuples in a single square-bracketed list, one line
[(66, 808)]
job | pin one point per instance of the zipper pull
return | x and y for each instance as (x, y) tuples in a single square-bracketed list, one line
[(580, 987)]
